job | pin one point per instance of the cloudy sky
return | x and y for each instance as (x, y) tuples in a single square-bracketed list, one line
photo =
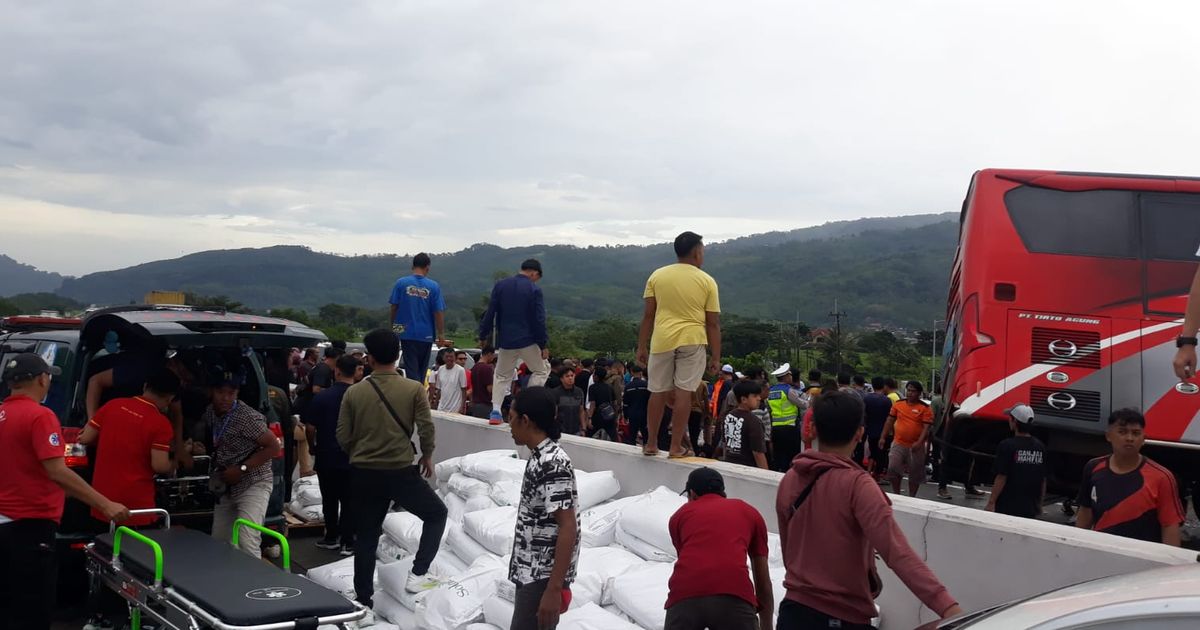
[(133, 131)]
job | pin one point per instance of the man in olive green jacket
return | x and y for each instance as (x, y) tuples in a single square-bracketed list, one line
[(378, 441)]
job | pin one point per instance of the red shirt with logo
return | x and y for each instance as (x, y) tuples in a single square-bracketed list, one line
[(129, 429), (29, 434)]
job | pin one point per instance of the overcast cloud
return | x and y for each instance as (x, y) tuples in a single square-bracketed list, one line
[(132, 131)]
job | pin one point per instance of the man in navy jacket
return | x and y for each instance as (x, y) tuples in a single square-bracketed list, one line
[(518, 314)]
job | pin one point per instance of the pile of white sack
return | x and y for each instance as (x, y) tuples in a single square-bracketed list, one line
[(625, 538), (306, 500)]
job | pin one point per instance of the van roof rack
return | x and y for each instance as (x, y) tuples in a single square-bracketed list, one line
[(129, 308)]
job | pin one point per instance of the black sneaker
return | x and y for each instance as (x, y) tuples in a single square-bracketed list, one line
[(944, 494), (346, 550), (332, 545), (972, 491)]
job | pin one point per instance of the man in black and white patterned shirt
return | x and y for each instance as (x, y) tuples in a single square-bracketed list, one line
[(546, 545)]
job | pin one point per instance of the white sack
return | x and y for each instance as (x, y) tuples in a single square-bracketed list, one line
[(498, 612), (405, 528), (641, 593), (592, 617), (390, 551), (647, 518), (443, 469), (481, 502), (463, 546), (307, 495), (595, 488), (481, 626), (446, 563), (467, 487), (458, 600), (392, 579), (774, 550), (597, 568), (598, 526), (470, 460), (310, 480), (338, 576), (642, 548), (493, 528), (493, 469), (456, 507), (506, 492), (388, 608), (308, 513)]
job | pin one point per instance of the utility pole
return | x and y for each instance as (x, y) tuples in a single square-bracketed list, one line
[(837, 316)]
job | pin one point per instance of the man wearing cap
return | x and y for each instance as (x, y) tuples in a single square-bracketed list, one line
[(1020, 485), (720, 390), (785, 434), (34, 480), (518, 315), (243, 446), (713, 536)]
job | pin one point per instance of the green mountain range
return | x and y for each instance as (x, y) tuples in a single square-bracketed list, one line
[(888, 271)]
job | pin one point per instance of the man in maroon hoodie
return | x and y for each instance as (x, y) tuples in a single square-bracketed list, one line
[(833, 515)]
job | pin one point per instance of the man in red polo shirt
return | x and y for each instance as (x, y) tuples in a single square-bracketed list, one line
[(713, 536), (33, 480), (134, 442)]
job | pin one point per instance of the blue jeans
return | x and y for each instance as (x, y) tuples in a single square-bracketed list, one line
[(414, 355)]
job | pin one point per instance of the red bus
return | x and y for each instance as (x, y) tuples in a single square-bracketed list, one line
[(1067, 293)]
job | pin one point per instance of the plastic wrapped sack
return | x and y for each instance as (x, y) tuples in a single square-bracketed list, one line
[(311, 480), (493, 469), (388, 608), (390, 551), (643, 549), (597, 568), (463, 545), (308, 513), (592, 617), (338, 576), (498, 612), (405, 528), (456, 507), (471, 460), (493, 528), (447, 563), (307, 495), (443, 469), (598, 526), (646, 519), (774, 550), (595, 488), (458, 600), (640, 593), (506, 492), (481, 502), (467, 487), (392, 579)]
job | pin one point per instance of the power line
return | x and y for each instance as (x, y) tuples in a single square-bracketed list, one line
[(837, 335)]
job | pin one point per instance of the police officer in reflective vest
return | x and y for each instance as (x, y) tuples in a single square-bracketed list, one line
[(785, 416)]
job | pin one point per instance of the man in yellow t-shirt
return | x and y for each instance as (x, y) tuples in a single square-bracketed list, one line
[(682, 316)]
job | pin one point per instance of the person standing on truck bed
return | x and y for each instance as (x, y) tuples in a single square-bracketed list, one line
[(681, 320), (518, 314), (418, 317), (34, 482), (243, 447), (1127, 493), (1020, 485), (375, 427)]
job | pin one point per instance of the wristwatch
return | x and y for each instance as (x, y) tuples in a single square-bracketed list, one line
[(1182, 341), (243, 468)]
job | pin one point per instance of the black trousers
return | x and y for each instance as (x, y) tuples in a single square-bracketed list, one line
[(528, 600), (610, 428), (786, 440), (27, 574), (414, 356), (373, 492), (714, 612), (796, 616), (695, 426), (335, 504), (637, 426)]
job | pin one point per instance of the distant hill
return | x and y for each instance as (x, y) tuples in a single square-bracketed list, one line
[(891, 271), (18, 278)]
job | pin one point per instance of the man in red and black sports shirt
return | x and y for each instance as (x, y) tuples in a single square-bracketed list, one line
[(1126, 493), (134, 439)]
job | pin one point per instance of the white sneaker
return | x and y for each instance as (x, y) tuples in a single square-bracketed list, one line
[(418, 583), (367, 621)]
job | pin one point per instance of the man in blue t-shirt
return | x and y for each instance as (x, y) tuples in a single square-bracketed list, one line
[(417, 308)]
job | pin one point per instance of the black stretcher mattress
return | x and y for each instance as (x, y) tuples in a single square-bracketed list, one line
[(235, 588)]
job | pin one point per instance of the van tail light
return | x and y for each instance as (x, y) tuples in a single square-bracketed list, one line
[(278, 431), (972, 337)]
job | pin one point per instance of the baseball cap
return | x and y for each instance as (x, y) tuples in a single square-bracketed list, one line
[(1020, 412), (220, 376), (728, 369), (705, 481), (28, 365)]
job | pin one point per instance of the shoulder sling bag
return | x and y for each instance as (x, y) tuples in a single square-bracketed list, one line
[(395, 416)]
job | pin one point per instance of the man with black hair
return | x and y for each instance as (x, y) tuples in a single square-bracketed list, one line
[(1020, 486), (601, 407), (814, 384), (34, 482), (583, 378), (572, 414), (333, 465), (417, 317), (876, 407), (133, 439), (833, 519), (681, 319), (713, 536), (891, 388), (546, 543), (1127, 493), (742, 436), (322, 376), (912, 420), (845, 383), (483, 375), (377, 420), (243, 446), (637, 400), (517, 313)]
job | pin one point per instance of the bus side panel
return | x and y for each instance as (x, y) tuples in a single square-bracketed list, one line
[(1061, 365), (1172, 409)]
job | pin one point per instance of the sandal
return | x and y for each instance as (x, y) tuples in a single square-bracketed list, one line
[(653, 453), (685, 454)]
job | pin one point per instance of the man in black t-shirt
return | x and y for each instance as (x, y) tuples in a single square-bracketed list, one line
[(636, 399), (1020, 485), (876, 407), (743, 438), (599, 395), (569, 399)]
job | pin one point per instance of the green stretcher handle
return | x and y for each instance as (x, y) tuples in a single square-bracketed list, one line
[(283, 542), (158, 553)]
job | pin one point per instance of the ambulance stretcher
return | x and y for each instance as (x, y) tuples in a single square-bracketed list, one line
[(183, 579)]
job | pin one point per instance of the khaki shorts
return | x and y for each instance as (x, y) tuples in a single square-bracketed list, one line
[(681, 368)]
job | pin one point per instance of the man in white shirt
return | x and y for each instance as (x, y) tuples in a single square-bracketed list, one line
[(450, 385)]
